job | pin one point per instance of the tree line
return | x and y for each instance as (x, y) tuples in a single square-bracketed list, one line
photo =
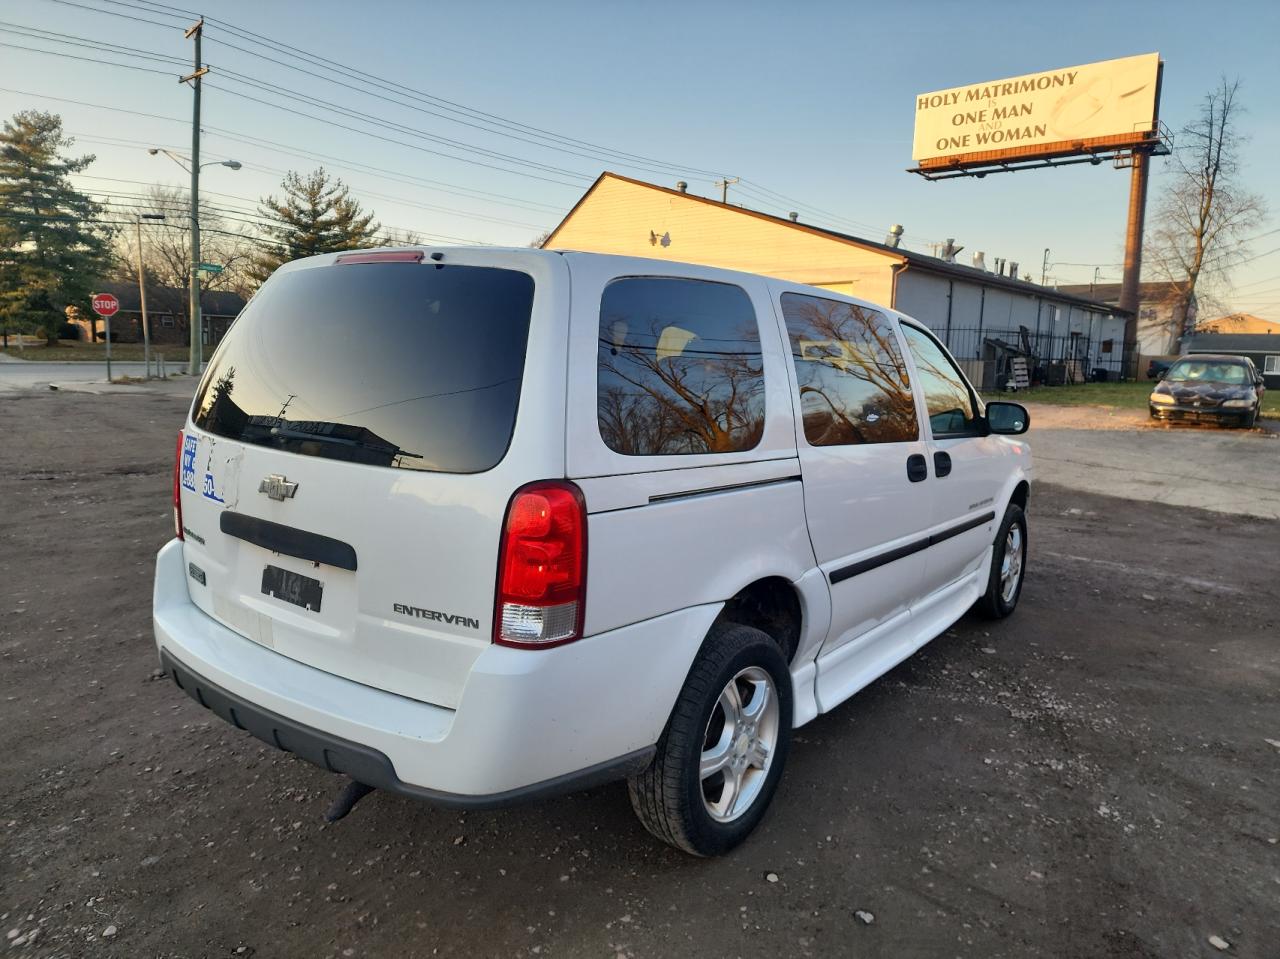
[(58, 244)]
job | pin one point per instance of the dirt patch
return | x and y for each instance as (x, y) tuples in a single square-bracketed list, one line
[(1094, 777)]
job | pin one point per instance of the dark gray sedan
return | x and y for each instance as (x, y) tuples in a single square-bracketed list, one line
[(1209, 388)]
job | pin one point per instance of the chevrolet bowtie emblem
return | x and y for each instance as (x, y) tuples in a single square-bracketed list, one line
[(277, 487)]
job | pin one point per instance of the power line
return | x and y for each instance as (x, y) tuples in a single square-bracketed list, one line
[(386, 124), (451, 188), (507, 127), (363, 133), (70, 56), (399, 89), (81, 6), (256, 204), (407, 179), (50, 36), (462, 114), (328, 106), (1265, 279), (258, 221)]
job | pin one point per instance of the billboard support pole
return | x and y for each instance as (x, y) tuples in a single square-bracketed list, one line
[(1129, 286)]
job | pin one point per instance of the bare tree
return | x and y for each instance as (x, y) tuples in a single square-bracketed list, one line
[(166, 248), (1205, 215), (398, 236), (697, 398)]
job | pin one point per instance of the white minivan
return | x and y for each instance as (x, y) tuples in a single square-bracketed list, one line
[(480, 526)]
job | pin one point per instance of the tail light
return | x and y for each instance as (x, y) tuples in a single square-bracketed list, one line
[(177, 489), (542, 567)]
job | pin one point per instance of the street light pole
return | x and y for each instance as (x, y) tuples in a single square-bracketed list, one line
[(142, 291), (193, 366)]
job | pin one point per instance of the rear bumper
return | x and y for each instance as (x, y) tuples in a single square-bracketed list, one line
[(529, 724), (366, 764)]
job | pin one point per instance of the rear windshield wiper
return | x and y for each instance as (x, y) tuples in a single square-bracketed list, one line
[(383, 453)]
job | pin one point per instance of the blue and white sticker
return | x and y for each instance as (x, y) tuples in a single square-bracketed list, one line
[(210, 490), (189, 445)]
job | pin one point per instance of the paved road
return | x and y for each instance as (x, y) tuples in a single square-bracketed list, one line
[(18, 375), (1122, 453)]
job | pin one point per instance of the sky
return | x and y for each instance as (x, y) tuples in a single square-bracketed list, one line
[(810, 104)]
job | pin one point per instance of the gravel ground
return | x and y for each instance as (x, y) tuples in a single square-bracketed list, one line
[(1082, 417), (1095, 777)]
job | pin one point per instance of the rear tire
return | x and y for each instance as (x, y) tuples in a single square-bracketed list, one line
[(733, 720), (1008, 563)]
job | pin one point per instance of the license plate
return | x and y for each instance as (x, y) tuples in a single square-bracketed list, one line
[(292, 587)]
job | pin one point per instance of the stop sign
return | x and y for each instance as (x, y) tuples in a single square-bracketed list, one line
[(106, 304)]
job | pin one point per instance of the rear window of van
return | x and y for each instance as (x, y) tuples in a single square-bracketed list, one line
[(392, 364)]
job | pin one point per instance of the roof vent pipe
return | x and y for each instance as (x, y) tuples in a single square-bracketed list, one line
[(793, 216), (980, 261), (682, 186), (895, 236), (1013, 269)]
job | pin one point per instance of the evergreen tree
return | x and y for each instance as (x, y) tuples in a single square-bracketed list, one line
[(51, 252), (316, 215)]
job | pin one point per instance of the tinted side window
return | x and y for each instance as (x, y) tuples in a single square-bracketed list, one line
[(946, 395), (679, 368), (853, 380)]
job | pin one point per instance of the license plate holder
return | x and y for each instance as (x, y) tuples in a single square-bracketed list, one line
[(292, 587)]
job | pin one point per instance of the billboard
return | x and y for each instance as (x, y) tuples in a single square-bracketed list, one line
[(1106, 105)]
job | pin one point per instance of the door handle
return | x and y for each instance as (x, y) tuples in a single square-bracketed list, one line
[(917, 468), (941, 463)]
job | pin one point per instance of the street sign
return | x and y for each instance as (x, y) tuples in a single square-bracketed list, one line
[(106, 304), (209, 268)]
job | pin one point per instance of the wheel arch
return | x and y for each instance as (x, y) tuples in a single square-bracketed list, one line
[(773, 605), (1021, 494)]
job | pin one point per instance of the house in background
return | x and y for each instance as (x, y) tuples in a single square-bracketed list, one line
[(167, 313), (985, 318), (1241, 334), (1239, 323), (1161, 317)]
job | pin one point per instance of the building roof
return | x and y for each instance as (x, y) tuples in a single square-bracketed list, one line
[(161, 298), (910, 258), (1156, 291), (1233, 343), (1239, 323)]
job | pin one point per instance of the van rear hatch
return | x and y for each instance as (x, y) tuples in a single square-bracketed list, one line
[(352, 449)]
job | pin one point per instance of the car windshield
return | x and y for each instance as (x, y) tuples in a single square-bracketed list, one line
[(1207, 371)]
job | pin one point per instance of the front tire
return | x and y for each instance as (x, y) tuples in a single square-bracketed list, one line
[(720, 758), (1008, 561)]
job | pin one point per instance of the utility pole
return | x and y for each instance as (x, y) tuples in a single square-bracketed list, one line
[(193, 367), (724, 187), (1044, 266), (142, 292)]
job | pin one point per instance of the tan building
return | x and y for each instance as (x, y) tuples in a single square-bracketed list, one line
[(984, 318), (1239, 323), (1161, 316)]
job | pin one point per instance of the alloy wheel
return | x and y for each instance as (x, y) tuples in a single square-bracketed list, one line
[(739, 744)]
